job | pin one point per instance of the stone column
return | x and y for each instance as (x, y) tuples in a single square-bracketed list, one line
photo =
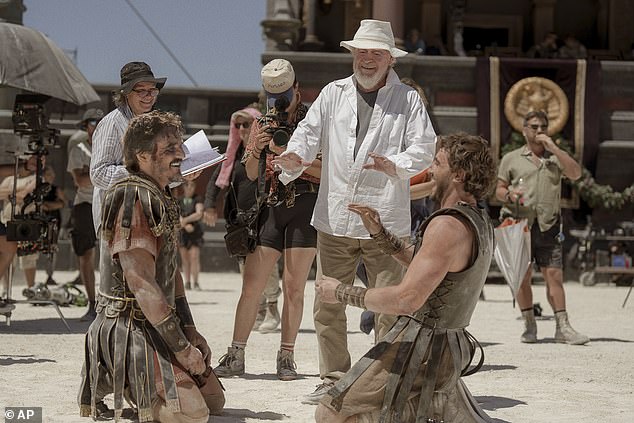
[(311, 42), (282, 27), (543, 19), (431, 21), (391, 11)]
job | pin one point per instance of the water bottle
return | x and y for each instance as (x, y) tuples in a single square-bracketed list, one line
[(520, 189)]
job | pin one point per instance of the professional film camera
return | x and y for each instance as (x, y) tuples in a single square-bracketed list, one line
[(277, 118), (34, 230)]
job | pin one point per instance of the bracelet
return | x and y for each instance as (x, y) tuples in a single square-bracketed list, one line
[(184, 313), (352, 295), (171, 332), (387, 242), (254, 156)]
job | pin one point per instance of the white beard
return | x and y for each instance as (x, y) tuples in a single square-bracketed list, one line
[(369, 82)]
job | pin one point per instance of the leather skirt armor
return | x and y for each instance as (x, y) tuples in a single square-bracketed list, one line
[(124, 354), (423, 356)]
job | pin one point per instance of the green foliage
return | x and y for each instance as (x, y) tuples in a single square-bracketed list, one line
[(596, 195)]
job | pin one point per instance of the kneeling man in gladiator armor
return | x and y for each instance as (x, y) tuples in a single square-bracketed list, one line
[(144, 345)]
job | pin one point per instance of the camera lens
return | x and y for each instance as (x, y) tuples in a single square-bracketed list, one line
[(281, 137)]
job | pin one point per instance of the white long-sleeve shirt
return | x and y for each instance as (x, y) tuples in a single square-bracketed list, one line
[(399, 129), (106, 163)]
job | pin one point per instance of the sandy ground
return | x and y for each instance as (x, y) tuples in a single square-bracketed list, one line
[(40, 361)]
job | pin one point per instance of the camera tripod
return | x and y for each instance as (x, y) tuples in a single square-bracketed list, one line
[(7, 305)]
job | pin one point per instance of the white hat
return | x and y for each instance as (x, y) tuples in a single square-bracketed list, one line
[(373, 34), (278, 78)]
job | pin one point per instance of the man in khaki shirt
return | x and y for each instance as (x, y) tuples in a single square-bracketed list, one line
[(529, 185)]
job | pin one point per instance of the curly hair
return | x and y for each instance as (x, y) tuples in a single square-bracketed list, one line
[(143, 132), (471, 154)]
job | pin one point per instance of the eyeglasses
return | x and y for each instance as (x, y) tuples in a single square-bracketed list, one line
[(237, 125), (536, 127), (153, 92)]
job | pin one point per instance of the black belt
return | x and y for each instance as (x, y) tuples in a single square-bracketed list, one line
[(306, 187)]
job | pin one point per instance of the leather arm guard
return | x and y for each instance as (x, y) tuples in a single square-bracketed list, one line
[(184, 313), (171, 332), (387, 242), (353, 295)]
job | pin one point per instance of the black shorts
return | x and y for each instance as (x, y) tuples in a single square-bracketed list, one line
[(285, 227), (83, 230), (546, 246), (3, 229), (192, 239)]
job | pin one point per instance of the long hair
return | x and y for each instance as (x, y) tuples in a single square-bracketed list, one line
[(234, 144), (143, 132), (472, 155)]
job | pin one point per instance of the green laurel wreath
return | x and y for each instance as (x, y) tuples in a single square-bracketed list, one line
[(594, 194)]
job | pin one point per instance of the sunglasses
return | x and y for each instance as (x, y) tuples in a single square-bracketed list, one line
[(92, 122), (536, 127), (153, 92), (237, 125)]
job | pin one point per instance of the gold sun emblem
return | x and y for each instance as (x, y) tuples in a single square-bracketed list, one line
[(533, 94)]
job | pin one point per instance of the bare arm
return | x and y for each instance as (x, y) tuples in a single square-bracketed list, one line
[(571, 168), (139, 270), (506, 193), (314, 169), (6, 170), (258, 140), (421, 190), (372, 222), (56, 204), (195, 216), (81, 177)]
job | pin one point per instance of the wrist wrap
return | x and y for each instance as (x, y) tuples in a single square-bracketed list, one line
[(183, 312), (171, 332), (353, 295), (387, 242)]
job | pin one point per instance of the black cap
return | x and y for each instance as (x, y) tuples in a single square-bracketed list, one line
[(134, 72)]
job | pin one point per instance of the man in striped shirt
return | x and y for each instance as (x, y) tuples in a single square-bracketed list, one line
[(137, 95)]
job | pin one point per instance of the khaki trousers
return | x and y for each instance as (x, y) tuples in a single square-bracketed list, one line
[(339, 258)]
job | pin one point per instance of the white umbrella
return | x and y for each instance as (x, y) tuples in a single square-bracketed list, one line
[(513, 251)]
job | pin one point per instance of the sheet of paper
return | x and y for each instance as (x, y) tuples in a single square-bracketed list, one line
[(199, 154)]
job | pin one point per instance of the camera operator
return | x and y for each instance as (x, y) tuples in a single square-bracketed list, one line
[(26, 183), (285, 223), (8, 248)]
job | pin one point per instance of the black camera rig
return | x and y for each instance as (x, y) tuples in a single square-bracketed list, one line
[(277, 118), (35, 230)]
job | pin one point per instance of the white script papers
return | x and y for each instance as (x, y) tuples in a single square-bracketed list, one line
[(199, 154)]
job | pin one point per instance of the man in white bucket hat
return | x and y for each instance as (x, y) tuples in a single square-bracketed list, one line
[(375, 134)]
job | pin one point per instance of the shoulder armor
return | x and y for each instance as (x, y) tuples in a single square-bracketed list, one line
[(160, 210)]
